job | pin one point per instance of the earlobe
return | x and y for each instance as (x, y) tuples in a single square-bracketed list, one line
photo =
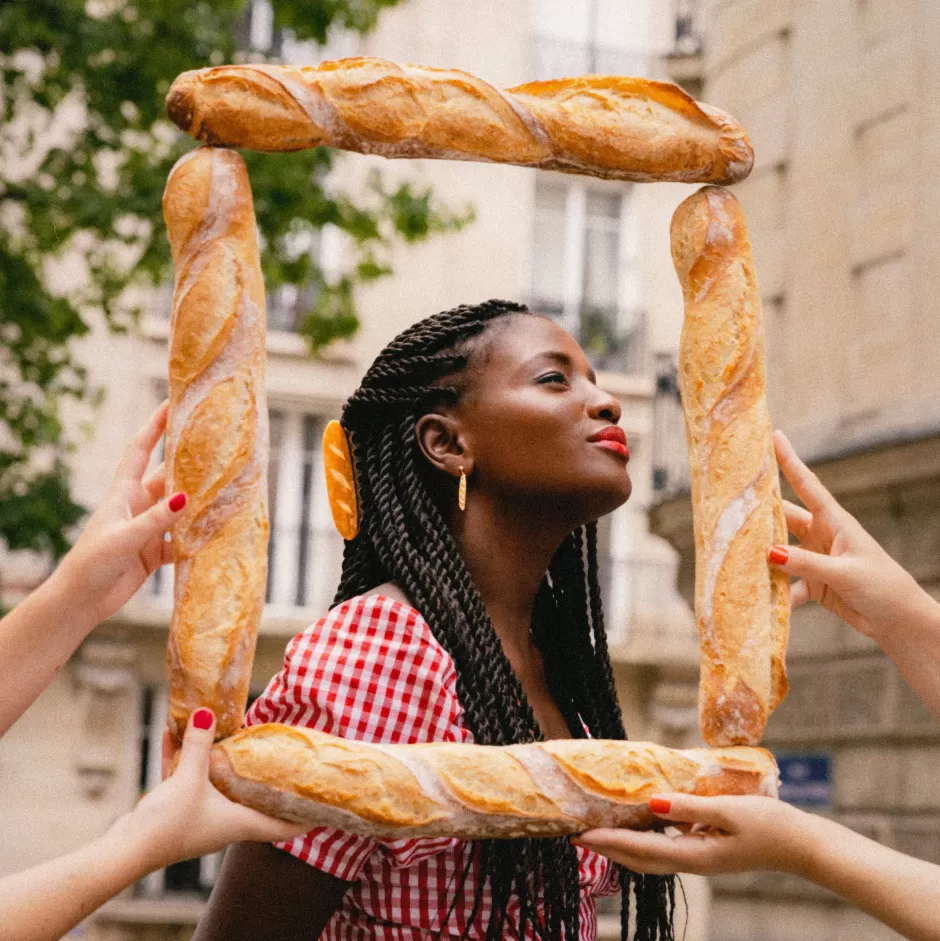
[(442, 443)]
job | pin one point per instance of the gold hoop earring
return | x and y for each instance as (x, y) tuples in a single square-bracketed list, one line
[(462, 490)]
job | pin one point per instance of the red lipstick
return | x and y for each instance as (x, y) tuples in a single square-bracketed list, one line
[(613, 439)]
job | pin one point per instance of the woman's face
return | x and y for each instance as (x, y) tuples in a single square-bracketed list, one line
[(536, 423)]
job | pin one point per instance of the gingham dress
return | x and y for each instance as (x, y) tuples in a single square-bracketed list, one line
[(371, 670)]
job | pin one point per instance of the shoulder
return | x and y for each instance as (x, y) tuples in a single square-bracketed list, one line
[(390, 590), (366, 618), (370, 669)]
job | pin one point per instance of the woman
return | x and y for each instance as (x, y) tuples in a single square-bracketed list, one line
[(183, 817), (843, 568), (480, 624)]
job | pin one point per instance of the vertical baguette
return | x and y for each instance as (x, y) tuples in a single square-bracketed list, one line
[(217, 436), (741, 605)]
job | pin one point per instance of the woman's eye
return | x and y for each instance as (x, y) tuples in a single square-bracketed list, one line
[(553, 377)]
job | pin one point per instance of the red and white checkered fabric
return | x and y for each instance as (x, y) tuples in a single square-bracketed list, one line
[(371, 670)]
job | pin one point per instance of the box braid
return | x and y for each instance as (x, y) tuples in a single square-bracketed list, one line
[(405, 538)]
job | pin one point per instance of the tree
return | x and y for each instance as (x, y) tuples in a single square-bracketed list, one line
[(94, 189)]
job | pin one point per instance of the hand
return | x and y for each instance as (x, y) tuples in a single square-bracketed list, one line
[(185, 816), (123, 543), (840, 565), (730, 834)]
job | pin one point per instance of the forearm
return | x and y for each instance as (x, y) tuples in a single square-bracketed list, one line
[(913, 644), (900, 891), (36, 639), (47, 901)]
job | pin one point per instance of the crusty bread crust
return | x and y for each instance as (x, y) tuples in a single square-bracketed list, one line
[(471, 791), (604, 126), (742, 606), (217, 437)]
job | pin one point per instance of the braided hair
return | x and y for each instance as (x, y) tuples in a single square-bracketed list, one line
[(405, 538)]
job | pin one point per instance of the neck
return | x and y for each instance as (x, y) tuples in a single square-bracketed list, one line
[(507, 552)]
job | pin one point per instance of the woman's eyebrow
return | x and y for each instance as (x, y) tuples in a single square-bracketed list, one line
[(563, 359)]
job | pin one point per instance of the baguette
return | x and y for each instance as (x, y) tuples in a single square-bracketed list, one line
[(604, 126), (471, 791), (217, 437), (742, 607)]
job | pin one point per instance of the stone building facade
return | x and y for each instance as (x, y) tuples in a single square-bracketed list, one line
[(90, 745), (841, 100)]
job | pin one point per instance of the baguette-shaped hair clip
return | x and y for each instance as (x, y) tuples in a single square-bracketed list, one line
[(340, 477)]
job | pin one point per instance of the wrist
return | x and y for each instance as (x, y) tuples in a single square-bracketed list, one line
[(805, 844), (136, 844)]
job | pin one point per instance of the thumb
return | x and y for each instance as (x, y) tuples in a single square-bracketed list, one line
[(158, 519), (685, 808), (801, 563), (197, 743)]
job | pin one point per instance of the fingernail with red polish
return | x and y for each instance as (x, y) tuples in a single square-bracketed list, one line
[(203, 719), (659, 805), (778, 555), (177, 502)]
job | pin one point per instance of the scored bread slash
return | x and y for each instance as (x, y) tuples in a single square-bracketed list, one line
[(608, 126), (340, 475), (468, 791)]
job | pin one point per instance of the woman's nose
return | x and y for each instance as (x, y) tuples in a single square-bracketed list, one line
[(605, 406)]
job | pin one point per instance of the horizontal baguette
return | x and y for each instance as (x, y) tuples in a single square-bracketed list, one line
[(471, 791), (605, 126)]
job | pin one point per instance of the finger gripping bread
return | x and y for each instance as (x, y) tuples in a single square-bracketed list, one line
[(471, 791), (217, 436), (605, 126), (741, 605)]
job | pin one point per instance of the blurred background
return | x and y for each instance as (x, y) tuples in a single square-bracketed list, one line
[(842, 105)]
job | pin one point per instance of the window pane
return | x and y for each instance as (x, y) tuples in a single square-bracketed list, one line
[(548, 247), (276, 423), (602, 253), (312, 433)]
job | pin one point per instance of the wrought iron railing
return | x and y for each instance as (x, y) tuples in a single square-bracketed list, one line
[(561, 58), (689, 27), (670, 450)]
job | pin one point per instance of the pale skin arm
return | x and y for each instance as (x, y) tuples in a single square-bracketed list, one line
[(843, 568), (745, 833), (182, 818), (120, 546)]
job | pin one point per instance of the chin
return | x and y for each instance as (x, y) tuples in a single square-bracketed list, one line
[(608, 495)]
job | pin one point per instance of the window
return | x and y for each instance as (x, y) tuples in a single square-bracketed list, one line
[(305, 551), (288, 304), (585, 270), (605, 37)]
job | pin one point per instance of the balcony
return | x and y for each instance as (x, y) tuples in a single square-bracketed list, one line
[(561, 58), (610, 346), (670, 449), (647, 620), (684, 64), (689, 28)]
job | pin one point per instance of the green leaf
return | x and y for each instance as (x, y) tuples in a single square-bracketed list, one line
[(96, 197)]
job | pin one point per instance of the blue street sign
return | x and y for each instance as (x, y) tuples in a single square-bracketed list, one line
[(805, 780)]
